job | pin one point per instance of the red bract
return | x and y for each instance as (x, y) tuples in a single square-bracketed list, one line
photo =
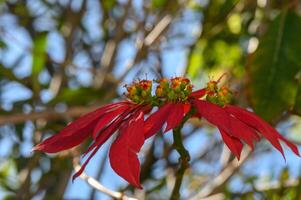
[(236, 125), (170, 113), (175, 100), (101, 125)]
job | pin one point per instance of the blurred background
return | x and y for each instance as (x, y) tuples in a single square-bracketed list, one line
[(60, 59)]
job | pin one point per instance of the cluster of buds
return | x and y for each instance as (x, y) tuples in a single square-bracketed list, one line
[(218, 95), (140, 91), (175, 89)]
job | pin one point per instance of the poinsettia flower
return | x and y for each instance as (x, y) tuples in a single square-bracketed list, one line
[(126, 118), (236, 125), (176, 102)]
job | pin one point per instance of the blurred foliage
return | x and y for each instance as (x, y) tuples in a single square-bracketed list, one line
[(38, 59), (62, 55), (273, 67)]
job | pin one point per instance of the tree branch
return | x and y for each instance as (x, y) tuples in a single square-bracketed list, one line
[(225, 174), (47, 115), (99, 187)]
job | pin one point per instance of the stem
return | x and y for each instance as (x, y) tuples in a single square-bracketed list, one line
[(183, 160)]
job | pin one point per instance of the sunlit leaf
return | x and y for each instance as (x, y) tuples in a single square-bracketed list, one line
[(210, 56)]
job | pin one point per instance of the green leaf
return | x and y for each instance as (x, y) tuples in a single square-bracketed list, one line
[(210, 55), (108, 5), (272, 87), (297, 106), (79, 96), (196, 59), (38, 59), (2, 44), (158, 4)]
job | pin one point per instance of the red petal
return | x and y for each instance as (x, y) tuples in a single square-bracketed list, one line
[(292, 146), (106, 133), (198, 93), (242, 131), (156, 120), (74, 133), (186, 107), (263, 127), (214, 114), (234, 144), (107, 118), (219, 117), (179, 110), (123, 152), (101, 139)]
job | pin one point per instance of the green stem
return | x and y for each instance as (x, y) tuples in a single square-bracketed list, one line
[(183, 160)]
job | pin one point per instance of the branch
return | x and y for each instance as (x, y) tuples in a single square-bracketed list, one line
[(150, 39), (98, 186), (47, 115), (158, 30), (219, 180)]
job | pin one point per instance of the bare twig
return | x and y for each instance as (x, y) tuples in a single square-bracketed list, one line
[(150, 39), (158, 30), (98, 186), (219, 180), (48, 115), (108, 57)]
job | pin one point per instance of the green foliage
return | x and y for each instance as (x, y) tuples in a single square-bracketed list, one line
[(218, 47), (210, 56), (297, 106), (8, 175), (158, 4), (70, 96), (108, 5), (273, 67), (6, 73), (38, 59)]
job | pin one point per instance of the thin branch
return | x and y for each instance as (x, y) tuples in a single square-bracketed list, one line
[(99, 187), (100, 172), (142, 45), (53, 114), (158, 30), (219, 180), (47, 115)]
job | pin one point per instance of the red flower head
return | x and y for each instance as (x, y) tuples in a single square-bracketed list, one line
[(127, 118), (175, 100)]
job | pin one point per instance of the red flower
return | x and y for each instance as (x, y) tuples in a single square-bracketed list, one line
[(235, 124), (125, 117), (175, 100)]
